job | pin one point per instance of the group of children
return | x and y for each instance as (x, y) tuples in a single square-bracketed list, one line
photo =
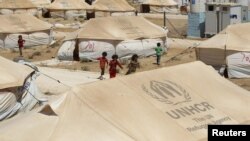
[(114, 63), (132, 66)]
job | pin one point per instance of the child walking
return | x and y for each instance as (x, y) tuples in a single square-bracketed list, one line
[(112, 66), (133, 64), (20, 44), (103, 61)]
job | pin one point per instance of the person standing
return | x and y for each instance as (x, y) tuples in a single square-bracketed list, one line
[(112, 66), (20, 44), (158, 51), (103, 61), (133, 64)]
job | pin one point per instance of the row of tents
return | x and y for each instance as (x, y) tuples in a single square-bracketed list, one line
[(126, 35), (166, 104), (73, 6)]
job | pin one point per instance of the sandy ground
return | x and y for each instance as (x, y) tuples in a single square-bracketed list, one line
[(178, 53)]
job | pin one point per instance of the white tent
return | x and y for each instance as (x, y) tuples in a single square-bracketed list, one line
[(8, 7), (124, 35), (33, 30), (70, 8), (18, 91), (159, 105), (233, 39), (41, 3), (113, 7), (160, 3)]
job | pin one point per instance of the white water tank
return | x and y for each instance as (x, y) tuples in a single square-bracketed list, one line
[(197, 6), (243, 2)]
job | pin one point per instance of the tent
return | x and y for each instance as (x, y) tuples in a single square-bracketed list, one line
[(67, 79), (8, 7), (41, 3), (113, 6), (18, 91), (147, 5), (124, 35), (158, 105), (71, 8), (160, 3), (233, 39), (33, 30)]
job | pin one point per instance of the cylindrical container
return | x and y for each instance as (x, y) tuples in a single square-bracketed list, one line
[(197, 6), (243, 2)]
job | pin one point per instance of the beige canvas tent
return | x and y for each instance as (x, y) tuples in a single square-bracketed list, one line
[(10, 77), (41, 3), (17, 6), (33, 30), (159, 105), (233, 39), (154, 5), (63, 5), (161, 3), (124, 35), (113, 8), (18, 91), (70, 8)]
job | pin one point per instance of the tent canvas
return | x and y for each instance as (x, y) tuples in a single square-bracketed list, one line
[(138, 110), (113, 6), (233, 39), (62, 5), (41, 3), (22, 23), (118, 28), (161, 3), (10, 77), (13, 97), (16, 4)]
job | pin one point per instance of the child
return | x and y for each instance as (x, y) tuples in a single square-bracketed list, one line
[(112, 64), (133, 64), (158, 51), (20, 44), (103, 60)]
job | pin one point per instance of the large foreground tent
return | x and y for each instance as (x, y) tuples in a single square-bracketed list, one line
[(17, 88), (146, 4), (70, 8), (33, 30), (113, 8), (159, 105), (8, 7), (124, 35), (216, 50)]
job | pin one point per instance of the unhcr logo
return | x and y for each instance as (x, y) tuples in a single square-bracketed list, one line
[(167, 92)]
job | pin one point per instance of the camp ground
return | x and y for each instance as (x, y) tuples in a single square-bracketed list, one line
[(122, 70)]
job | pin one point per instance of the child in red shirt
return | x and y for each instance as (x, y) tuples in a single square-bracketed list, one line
[(112, 64), (103, 60), (20, 44)]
